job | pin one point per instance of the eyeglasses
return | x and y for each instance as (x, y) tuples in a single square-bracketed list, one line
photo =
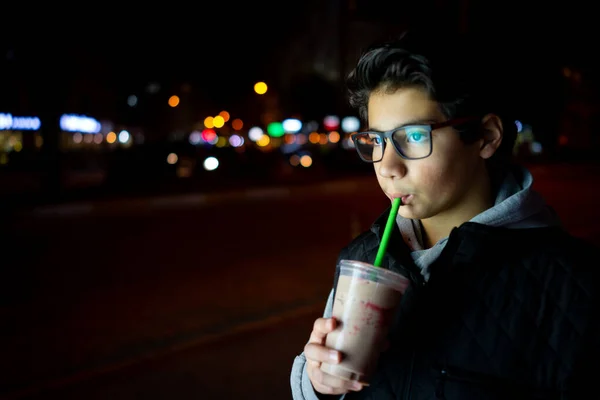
[(411, 142)]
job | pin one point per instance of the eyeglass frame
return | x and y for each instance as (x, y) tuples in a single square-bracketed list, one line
[(388, 135)]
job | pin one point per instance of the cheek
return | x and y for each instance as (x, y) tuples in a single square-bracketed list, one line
[(447, 170), (435, 177), (438, 179)]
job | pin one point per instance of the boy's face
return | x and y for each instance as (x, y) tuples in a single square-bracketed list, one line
[(443, 185)]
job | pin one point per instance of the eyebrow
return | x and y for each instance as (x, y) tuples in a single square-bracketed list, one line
[(426, 121)]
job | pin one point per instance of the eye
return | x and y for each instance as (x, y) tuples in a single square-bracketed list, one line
[(416, 136), (376, 139)]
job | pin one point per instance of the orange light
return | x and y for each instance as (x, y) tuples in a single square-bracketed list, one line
[(237, 124), (313, 137), (334, 137), (111, 137), (225, 115), (174, 101)]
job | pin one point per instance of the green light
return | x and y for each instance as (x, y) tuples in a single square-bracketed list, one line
[(275, 129)]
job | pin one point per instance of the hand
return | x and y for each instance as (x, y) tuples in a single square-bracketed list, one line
[(316, 353)]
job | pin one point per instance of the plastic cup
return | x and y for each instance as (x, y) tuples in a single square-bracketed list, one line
[(366, 300)]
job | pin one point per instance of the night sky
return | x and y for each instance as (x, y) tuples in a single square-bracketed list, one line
[(143, 43), (221, 48)]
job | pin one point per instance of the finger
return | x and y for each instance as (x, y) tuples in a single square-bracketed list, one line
[(321, 328), (329, 384), (313, 363), (319, 353)]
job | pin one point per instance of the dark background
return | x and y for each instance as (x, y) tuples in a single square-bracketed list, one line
[(123, 276)]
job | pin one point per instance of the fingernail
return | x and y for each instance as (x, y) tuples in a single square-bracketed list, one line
[(334, 356)]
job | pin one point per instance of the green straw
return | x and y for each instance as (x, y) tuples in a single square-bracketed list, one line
[(388, 231)]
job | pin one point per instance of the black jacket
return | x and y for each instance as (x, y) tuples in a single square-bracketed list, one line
[(506, 314)]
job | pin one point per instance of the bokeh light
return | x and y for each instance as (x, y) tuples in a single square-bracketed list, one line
[(260, 87), (174, 101)]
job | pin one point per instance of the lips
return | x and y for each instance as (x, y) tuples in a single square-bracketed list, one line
[(405, 197)]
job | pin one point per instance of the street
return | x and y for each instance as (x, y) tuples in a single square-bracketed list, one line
[(245, 365), (193, 296)]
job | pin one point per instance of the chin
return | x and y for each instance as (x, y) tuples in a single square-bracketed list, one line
[(411, 212), (408, 214)]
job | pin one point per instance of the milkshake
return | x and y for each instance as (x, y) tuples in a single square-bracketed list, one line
[(366, 299)]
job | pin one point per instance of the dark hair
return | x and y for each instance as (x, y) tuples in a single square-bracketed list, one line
[(450, 68)]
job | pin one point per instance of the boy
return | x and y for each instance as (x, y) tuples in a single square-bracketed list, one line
[(502, 301)]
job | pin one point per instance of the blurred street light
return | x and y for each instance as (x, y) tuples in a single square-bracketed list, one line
[(225, 115), (174, 101), (260, 87), (218, 121)]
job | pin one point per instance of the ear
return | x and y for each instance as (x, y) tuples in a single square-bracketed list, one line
[(493, 133)]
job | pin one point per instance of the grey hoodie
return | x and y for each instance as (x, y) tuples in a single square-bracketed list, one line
[(517, 206)]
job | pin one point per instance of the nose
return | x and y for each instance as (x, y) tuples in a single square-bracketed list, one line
[(391, 166)]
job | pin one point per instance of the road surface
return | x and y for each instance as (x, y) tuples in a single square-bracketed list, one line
[(180, 297)]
